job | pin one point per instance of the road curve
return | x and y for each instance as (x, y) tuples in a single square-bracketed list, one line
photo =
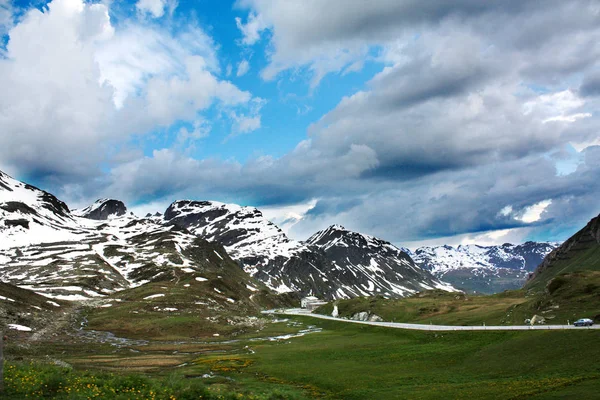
[(424, 327)]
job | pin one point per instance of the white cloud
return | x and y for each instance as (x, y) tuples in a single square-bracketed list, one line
[(286, 216), (73, 86), (506, 211), (534, 212), (156, 7), (580, 146), (557, 107), (252, 29), (139, 52), (490, 238), (243, 68), (244, 124), (52, 109), (188, 136)]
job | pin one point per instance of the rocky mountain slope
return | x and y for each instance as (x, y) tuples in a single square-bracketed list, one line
[(316, 267), (102, 210), (372, 266), (29, 215), (64, 257), (581, 252), (483, 269)]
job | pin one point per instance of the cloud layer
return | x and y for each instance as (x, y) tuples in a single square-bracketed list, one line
[(464, 130)]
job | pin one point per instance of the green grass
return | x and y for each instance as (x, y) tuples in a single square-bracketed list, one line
[(567, 297), (435, 307), (584, 257), (346, 361), (196, 309), (48, 381), (580, 253), (361, 362)]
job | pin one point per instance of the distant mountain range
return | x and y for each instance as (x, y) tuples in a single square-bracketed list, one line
[(102, 248), (483, 269)]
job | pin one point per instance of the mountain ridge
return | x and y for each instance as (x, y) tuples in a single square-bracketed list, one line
[(484, 269)]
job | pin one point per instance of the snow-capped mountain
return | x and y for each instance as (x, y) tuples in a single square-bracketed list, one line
[(102, 210), (30, 215), (486, 269), (102, 249), (259, 246), (372, 266), (318, 266), (49, 250)]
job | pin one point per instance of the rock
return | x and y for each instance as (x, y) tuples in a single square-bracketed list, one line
[(17, 222), (537, 320), (375, 318), (361, 316)]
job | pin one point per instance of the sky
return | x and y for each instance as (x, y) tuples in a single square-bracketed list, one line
[(422, 123)]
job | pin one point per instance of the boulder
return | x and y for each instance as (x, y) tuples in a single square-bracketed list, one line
[(361, 316), (375, 318), (536, 319)]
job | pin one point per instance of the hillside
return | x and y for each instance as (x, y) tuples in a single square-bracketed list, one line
[(581, 252), (564, 288), (107, 258)]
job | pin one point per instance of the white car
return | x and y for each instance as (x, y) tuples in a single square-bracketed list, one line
[(584, 322)]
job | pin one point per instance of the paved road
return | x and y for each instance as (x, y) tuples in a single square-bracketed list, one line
[(423, 327)]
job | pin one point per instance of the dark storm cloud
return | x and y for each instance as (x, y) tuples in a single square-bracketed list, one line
[(591, 85)]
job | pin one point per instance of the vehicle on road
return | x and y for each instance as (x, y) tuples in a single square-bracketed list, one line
[(584, 322)]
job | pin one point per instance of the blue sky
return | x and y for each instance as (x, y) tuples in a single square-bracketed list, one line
[(419, 122)]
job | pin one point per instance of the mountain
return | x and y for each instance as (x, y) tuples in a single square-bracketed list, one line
[(314, 267), (102, 210), (483, 269), (259, 246), (102, 249), (372, 266), (30, 215), (580, 253), (48, 250)]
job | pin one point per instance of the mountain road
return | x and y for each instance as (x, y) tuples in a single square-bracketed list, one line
[(425, 327)]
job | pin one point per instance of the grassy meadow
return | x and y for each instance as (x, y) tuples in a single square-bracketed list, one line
[(342, 361), (566, 298)]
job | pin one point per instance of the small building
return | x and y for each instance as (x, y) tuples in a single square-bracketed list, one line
[(311, 303)]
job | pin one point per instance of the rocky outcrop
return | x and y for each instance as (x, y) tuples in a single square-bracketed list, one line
[(103, 209)]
